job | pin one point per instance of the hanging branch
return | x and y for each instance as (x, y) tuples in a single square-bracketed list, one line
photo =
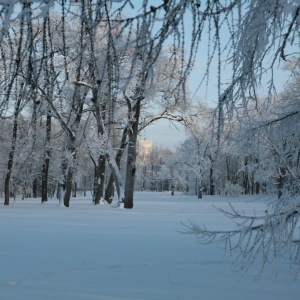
[(270, 237)]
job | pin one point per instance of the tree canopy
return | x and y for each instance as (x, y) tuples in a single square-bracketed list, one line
[(81, 78)]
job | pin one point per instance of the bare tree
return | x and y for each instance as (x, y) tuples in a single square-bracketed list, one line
[(251, 37), (273, 137)]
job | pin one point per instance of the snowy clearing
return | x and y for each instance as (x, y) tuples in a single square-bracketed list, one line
[(103, 252)]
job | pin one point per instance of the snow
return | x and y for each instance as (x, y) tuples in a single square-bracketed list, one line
[(104, 252)]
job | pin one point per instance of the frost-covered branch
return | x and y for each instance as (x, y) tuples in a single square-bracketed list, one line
[(269, 238), (164, 115)]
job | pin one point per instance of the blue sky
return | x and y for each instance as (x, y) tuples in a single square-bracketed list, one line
[(165, 134)]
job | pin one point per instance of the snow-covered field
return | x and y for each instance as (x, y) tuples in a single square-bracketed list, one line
[(103, 252)]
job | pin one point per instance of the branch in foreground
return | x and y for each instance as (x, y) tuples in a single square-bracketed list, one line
[(269, 239)]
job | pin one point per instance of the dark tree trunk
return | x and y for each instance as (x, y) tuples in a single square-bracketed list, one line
[(131, 157), (11, 154), (130, 173), (67, 172), (211, 179), (72, 150), (45, 170), (199, 189), (247, 179), (35, 188), (257, 187), (74, 190), (109, 191), (99, 179), (95, 187), (7, 185), (152, 178), (58, 190), (246, 184), (69, 175), (68, 186)]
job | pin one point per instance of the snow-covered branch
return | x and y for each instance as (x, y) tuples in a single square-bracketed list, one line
[(164, 115), (269, 238)]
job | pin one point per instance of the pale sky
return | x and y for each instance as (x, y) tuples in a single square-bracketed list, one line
[(164, 134)]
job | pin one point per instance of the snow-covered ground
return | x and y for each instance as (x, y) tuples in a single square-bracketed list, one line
[(103, 252)]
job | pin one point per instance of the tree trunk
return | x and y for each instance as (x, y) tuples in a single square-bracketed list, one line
[(130, 172), (69, 176), (7, 186), (35, 188), (69, 186), (45, 181), (257, 187), (200, 189), (131, 157), (110, 185), (45, 170), (71, 151), (116, 174), (74, 190), (58, 191), (99, 179), (96, 178), (211, 179), (11, 154), (66, 180), (109, 189), (246, 177)]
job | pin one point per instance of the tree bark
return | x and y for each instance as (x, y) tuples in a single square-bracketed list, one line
[(11, 154), (99, 179), (211, 177), (110, 185), (35, 188), (131, 156), (74, 190), (45, 170), (66, 181), (109, 191), (199, 189), (68, 186)]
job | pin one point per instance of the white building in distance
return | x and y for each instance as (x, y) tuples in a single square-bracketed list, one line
[(145, 149)]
